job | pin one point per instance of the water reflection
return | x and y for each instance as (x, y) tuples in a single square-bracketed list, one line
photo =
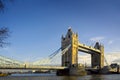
[(96, 77), (54, 77), (70, 78)]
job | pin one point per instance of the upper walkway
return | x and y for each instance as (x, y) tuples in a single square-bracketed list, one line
[(87, 49)]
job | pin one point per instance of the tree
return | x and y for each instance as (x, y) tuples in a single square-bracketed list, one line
[(2, 4), (4, 31)]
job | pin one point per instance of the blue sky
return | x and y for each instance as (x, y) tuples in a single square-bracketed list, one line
[(37, 25)]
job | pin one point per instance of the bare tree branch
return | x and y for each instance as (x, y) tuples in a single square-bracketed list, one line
[(4, 33), (1, 5)]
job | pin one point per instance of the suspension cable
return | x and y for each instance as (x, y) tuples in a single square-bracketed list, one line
[(66, 49), (107, 63), (55, 53)]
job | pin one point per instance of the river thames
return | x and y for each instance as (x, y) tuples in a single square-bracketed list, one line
[(54, 77)]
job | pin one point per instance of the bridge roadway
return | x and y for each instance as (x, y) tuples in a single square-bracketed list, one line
[(33, 67)]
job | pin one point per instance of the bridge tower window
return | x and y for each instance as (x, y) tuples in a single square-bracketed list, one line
[(68, 36)]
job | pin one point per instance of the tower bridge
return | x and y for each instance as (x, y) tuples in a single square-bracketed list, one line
[(70, 58), (70, 46)]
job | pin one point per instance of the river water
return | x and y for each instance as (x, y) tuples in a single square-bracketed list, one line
[(54, 77)]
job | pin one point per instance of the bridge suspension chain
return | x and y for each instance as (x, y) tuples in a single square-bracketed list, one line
[(8, 62), (47, 60), (66, 49), (54, 58), (55, 53), (107, 63)]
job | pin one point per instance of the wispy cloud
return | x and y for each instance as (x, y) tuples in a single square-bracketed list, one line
[(99, 38)]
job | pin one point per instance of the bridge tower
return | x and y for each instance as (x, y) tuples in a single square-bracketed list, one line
[(70, 58), (97, 59)]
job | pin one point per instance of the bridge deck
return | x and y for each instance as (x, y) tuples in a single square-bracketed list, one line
[(34, 67)]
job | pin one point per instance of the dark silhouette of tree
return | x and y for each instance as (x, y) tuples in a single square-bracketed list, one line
[(2, 4), (4, 31)]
